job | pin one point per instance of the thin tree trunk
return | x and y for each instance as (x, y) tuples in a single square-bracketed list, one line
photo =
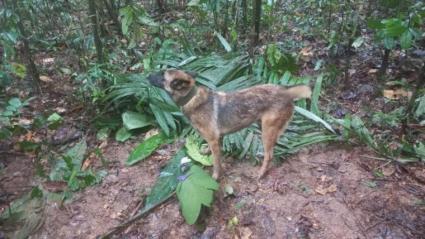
[(244, 16), (226, 19), (257, 21), (32, 69), (384, 64), (94, 21)]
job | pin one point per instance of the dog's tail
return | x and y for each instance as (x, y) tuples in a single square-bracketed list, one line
[(299, 92)]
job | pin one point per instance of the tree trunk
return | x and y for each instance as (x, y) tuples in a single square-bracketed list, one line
[(160, 5), (112, 9), (384, 64), (244, 16), (94, 22), (257, 21), (32, 69)]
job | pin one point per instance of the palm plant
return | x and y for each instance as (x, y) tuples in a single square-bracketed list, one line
[(224, 73)]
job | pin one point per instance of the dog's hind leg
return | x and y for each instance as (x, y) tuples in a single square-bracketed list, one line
[(273, 124), (214, 145)]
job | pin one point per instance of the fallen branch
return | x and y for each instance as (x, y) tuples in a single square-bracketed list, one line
[(136, 217)]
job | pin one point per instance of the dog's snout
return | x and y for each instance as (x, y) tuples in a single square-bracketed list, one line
[(157, 79)]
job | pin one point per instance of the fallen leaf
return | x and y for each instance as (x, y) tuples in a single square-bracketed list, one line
[(306, 53), (228, 190), (396, 94), (388, 171), (46, 79), (60, 109), (372, 71), (321, 190), (245, 233), (24, 121), (48, 60)]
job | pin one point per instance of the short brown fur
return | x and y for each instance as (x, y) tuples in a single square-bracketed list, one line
[(215, 114)]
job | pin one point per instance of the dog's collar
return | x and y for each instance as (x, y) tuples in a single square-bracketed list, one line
[(185, 99)]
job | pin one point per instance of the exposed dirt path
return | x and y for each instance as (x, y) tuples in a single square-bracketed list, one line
[(321, 192)]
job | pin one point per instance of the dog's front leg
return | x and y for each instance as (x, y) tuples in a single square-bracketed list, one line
[(214, 145)]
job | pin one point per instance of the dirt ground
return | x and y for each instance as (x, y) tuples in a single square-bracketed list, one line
[(322, 192)]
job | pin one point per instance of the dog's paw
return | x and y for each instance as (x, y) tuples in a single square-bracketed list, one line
[(216, 175), (262, 174)]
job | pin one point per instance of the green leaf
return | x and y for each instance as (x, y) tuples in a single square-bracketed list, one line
[(315, 96), (160, 118), (223, 42), (375, 24), (19, 70), (193, 192), (358, 42), (133, 120), (420, 151), (420, 110), (313, 117), (146, 148), (167, 181), (393, 27), (406, 40), (103, 134), (24, 216), (53, 118), (122, 135), (193, 152), (77, 153), (15, 103)]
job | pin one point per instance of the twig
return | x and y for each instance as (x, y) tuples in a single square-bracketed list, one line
[(373, 157), (136, 217)]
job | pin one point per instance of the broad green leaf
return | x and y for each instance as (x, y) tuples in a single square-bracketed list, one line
[(167, 181), (133, 120), (194, 192), (223, 42), (313, 117), (146, 148), (393, 27), (406, 40), (193, 151), (122, 135), (389, 43), (77, 153)]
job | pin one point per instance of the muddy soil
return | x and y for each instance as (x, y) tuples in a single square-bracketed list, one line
[(322, 192)]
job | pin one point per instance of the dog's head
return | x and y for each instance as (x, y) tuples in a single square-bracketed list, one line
[(177, 83)]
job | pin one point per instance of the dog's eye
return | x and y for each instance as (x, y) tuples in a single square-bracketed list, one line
[(179, 84)]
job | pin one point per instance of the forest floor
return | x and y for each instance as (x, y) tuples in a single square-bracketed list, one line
[(324, 191)]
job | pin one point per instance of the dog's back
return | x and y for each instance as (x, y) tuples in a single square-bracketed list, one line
[(237, 110)]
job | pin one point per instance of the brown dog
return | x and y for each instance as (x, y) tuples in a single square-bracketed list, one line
[(215, 113)]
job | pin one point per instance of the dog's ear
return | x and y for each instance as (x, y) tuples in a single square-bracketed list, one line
[(179, 84)]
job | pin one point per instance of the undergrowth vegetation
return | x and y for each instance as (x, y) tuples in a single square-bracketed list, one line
[(108, 48)]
